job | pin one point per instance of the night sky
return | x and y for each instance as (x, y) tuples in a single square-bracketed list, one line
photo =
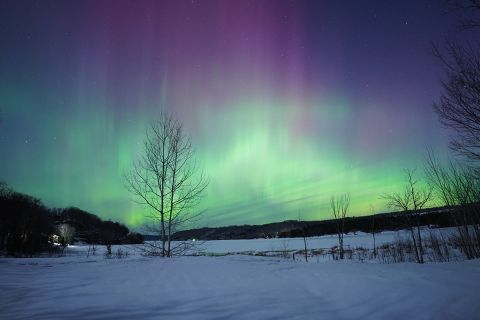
[(287, 102)]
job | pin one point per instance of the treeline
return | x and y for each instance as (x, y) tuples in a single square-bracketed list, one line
[(28, 227), (91, 229), (434, 217)]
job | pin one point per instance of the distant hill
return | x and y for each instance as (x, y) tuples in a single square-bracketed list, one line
[(28, 227), (439, 217), (92, 229)]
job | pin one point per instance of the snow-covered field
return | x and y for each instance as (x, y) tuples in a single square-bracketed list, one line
[(360, 239), (235, 286)]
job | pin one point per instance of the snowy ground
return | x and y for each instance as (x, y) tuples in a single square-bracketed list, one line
[(234, 287), (351, 241), (278, 244)]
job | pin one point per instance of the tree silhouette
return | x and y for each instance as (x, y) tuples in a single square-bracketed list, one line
[(459, 105), (167, 179), (339, 206), (412, 199)]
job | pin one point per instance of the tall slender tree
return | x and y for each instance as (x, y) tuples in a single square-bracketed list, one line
[(167, 179), (339, 206)]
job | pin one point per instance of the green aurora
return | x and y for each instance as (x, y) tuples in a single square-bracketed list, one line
[(284, 109)]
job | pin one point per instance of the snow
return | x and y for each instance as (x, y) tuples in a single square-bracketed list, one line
[(258, 245), (235, 286), (351, 240)]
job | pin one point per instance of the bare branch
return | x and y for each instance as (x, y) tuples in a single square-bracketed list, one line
[(167, 179)]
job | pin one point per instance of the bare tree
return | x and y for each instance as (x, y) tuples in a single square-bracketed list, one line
[(167, 179), (148, 178), (304, 226), (339, 206), (305, 248), (374, 231), (412, 199), (67, 234), (457, 186), (459, 105)]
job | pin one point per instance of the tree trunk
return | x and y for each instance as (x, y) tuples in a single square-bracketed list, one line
[(420, 251), (305, 245), (417, 256), (341, 246)]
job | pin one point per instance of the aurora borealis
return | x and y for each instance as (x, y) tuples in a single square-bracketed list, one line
[(287, 102)]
